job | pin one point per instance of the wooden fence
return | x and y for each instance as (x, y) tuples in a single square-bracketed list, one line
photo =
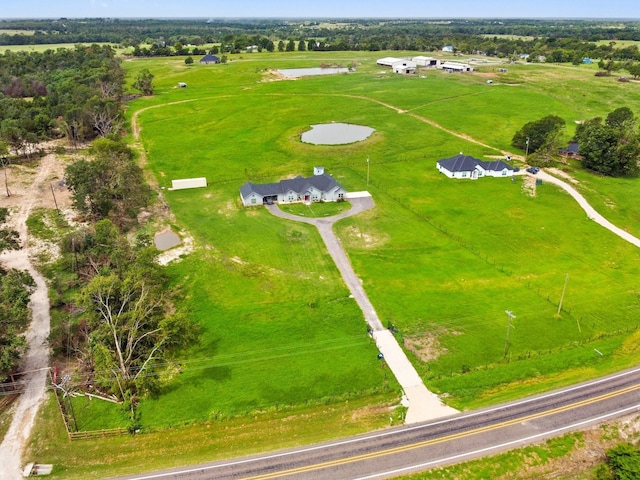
[(110, 432)]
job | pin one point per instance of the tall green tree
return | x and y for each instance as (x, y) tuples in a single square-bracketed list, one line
[(611, 147), (144, 82), (621, 118), (111, 185), (15, 289), (634, 70), (533, 135), (134, 330)]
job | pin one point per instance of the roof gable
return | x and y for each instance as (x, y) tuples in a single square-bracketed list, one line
[(467, 163), (322, 183), (209, 58), (459, 163)]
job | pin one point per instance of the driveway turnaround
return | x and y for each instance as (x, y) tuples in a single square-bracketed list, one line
[(422, 404)]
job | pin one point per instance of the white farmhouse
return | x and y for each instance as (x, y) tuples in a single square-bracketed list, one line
[(466, 166), (321, 187)]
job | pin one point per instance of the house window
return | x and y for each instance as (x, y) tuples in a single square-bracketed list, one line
[(291, 198), (253, 200), (504, 173), (341, 195), (464, 174)]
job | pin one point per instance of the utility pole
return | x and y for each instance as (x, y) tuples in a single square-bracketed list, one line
[(509, 326), (367, 170), (526, 152), (6, 184), (566, 280), (54, 197)]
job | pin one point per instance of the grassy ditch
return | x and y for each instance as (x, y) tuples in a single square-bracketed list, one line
[(179, 446)]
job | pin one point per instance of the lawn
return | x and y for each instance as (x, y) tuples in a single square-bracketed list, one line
[(442, 260)]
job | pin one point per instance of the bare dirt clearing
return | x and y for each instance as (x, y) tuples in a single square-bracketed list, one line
[(30, 187)]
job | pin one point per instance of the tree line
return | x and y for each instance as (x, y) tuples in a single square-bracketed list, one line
[(126, 328), (75, 93), (557, 40), (115, 312), (15, 289), (609, 146)]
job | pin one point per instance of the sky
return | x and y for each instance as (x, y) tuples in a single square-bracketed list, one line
[(627, 9)]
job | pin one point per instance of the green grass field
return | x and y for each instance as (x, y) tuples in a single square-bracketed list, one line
[(445, 259), (45, 46), (442, 260)]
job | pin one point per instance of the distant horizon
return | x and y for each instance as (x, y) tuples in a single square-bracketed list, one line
[(327, 9), (209, 18), (206, 18)]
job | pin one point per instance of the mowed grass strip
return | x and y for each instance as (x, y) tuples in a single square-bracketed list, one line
[(187, 445)]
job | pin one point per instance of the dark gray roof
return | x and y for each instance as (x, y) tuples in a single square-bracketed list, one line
[(467, 163), (572, 148), (299, 184), (208, 58), (496, 166), (459, 163)]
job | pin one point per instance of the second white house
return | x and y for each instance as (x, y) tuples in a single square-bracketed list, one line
[(466, 166)]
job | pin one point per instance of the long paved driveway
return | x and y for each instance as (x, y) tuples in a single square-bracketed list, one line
[(590, 211), (422, 404)]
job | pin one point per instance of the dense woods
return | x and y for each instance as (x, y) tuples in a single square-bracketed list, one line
[(64, 92), (15, 289)]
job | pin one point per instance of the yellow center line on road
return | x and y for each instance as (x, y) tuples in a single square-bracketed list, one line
[(425, 443)]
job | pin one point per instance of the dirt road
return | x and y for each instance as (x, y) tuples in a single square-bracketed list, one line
[(36, 360)]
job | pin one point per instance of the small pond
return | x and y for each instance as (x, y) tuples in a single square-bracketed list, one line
[(306, 72), (166, 240), (336, 134)]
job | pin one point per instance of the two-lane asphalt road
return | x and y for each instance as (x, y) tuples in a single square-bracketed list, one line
[(407, 449)]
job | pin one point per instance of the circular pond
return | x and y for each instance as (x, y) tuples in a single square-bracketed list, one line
[(336, 134)]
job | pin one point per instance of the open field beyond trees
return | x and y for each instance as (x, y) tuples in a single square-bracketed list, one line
[(440, 259)]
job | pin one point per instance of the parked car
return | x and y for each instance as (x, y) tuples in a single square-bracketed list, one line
[(533, 170)]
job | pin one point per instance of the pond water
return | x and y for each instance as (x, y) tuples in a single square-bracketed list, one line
[(166, 240), (336, 134), (305, 72)]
